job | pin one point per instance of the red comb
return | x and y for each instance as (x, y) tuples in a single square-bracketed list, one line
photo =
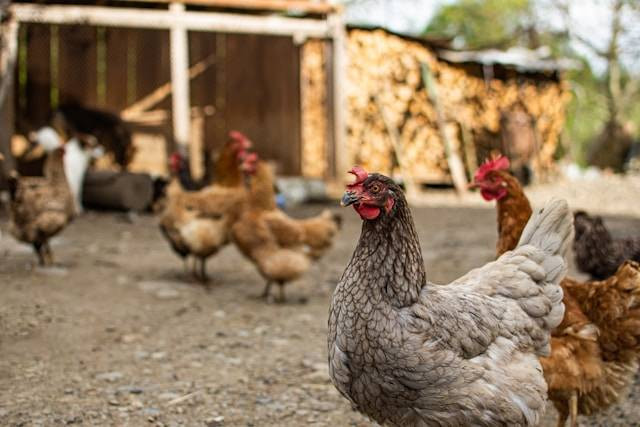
[(498, 162), (360, 174), (237, 135)]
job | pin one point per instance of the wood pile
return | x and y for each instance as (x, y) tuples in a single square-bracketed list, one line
[(313, 81), (386, 88)]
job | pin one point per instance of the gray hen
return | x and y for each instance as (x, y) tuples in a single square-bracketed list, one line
[(407, 352)]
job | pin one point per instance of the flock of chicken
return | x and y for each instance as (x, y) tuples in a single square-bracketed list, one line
[(487, 349), (240, 207), (490, 347)]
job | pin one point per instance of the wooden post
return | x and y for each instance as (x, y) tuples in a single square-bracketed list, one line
[(180, 80), (7, 66), (343, 159)]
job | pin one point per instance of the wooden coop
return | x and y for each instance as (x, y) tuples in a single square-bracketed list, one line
[(315, 96), (183, 73)]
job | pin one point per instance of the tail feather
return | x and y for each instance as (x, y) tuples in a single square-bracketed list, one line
[(551, 229)]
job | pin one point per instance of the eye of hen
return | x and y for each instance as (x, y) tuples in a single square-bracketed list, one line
[(375, 188)]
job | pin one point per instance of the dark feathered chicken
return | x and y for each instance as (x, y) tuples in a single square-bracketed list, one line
[(41, 207), (597, 253), (407, 352)]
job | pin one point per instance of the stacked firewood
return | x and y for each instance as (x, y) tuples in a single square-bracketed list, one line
[(313, 81), (393, 123)]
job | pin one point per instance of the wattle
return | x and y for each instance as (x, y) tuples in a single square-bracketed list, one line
[(493, 194), (367, 211)]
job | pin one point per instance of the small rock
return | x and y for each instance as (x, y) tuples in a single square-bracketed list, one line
[(141, 355), (319, 406), (161, 290), (73, 420), (130, 389), (216, 421), (52, 271), (168, 395), (220, 314), (159, 355), (263, 400), (68, 391), (122, 280), (114, 403), (129, 338), (261, 330), (242, 333), (151, 412), (167, 294), (110, 376)]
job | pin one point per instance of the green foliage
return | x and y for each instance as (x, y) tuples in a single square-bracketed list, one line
[(483, 23), (478, 24)]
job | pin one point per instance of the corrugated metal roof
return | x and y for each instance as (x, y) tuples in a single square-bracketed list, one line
[(522, 59)]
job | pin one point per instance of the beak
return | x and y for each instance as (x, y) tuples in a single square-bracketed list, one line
[(349, 198)]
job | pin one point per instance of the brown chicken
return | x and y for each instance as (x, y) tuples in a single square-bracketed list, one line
[(582, 376), (281, 247), (41, 207), (197, 223)]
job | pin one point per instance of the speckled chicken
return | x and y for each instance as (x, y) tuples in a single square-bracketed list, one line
[(593, 351), (408, 352), (41, 207), (597, 252)]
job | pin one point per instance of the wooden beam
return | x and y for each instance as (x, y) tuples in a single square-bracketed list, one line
[(342, 157), (8, 57), (8, 61), (275, 5), (166, 19), (180, 102)]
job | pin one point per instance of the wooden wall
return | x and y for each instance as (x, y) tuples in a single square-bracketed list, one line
[(253, 84)]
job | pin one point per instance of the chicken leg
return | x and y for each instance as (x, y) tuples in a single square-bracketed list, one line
[(48, 253), (203, 270), (267, 290), (573, 409), (39, 248), (281, 296)]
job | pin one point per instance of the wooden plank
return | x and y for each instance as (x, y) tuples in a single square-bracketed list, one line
[(202, 49), (77, 65), (163, 19), (280, 5), (117, 45), (38, 87), (263, 97), (152, 47)]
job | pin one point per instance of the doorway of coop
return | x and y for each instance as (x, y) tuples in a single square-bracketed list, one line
[(272, 88)]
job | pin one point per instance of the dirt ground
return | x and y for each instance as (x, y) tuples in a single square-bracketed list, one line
[(120, 336)]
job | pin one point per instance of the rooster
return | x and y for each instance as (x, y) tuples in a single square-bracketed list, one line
[(582, 375), (407, 352), (597, 253)]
